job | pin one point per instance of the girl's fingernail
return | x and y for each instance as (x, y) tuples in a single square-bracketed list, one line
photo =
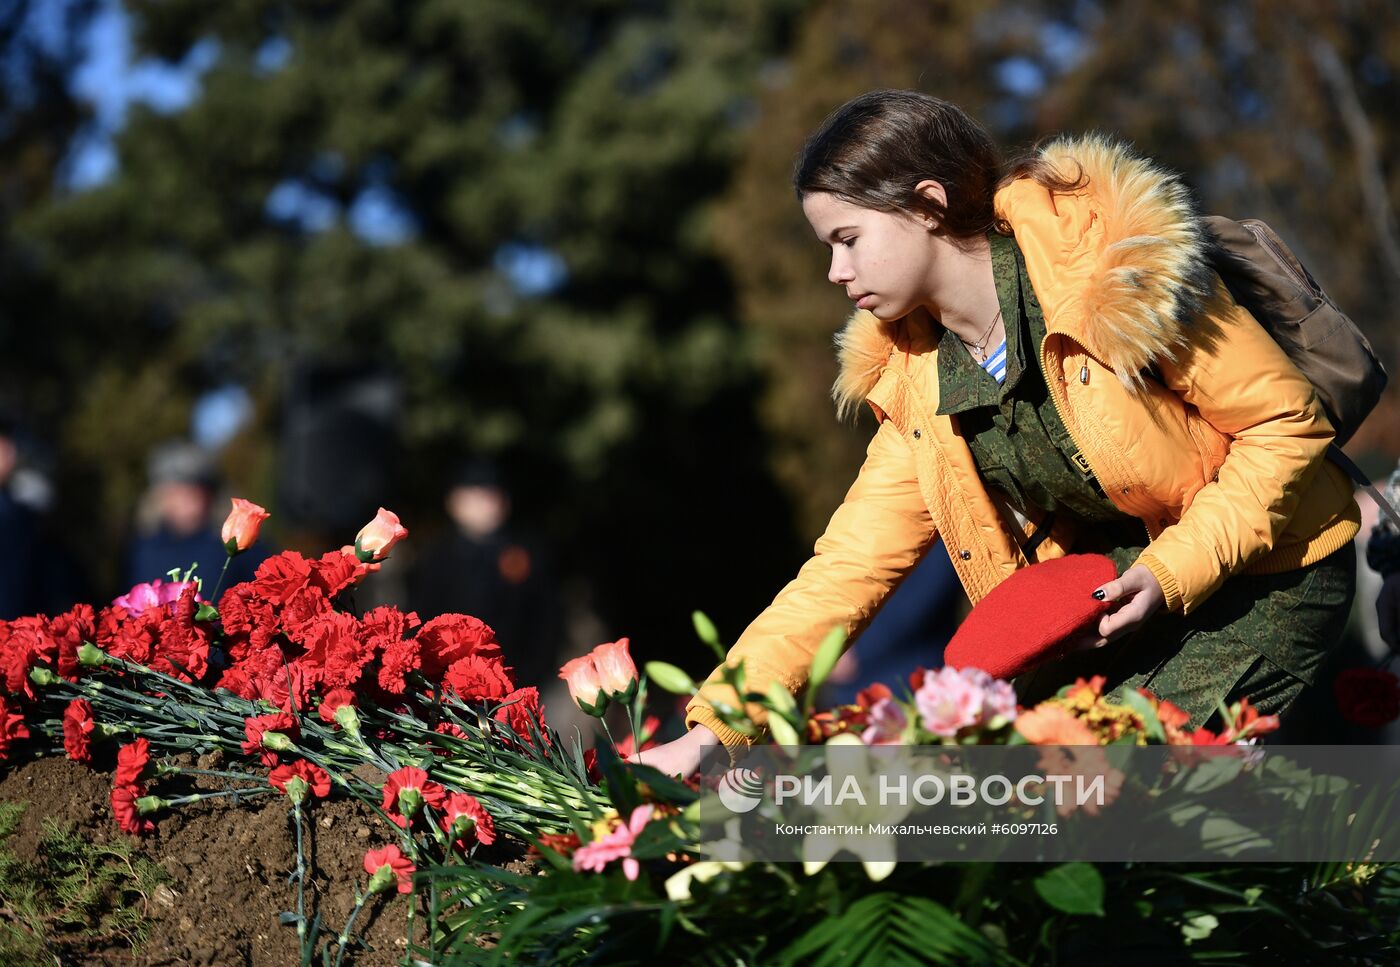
[(1099, 595)]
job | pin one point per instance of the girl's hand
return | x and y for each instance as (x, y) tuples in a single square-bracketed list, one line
[(681, 756), (1138, 596)]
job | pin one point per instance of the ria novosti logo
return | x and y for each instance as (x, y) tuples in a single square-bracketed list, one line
[(741, 790)]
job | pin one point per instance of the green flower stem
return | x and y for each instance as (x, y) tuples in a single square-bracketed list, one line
[(221, 794), (223, 572), (169, 770), (512, 790), (608, 732), (344, 937), (301, 880), (632, 724)]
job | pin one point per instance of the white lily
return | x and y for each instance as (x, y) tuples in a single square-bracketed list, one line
[(876, 853), (678, 885)]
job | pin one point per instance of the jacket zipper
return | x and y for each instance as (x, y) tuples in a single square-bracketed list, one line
[(1069, 427)]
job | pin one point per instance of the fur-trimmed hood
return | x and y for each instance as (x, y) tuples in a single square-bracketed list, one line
[(1142, 273)]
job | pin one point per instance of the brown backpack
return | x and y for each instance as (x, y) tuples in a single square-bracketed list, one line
[(1266, 278), (1269, 280)]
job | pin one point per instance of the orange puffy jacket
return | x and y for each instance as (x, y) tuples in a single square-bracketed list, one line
[(1220, 454)]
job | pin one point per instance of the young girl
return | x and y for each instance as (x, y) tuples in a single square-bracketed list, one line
[(1056, 368)]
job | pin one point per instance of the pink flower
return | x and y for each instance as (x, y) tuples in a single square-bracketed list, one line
[(152, 593), (377, 538), (617, 845), (1000, 700), (242, 525), (949, 701), (886, 723), (585, 687), (617, 673)]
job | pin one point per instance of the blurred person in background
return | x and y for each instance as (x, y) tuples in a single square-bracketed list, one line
[(36, 575), (1383, 555), (179, 524), (484, 567)]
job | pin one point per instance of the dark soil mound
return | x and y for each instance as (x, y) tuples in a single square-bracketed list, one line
[(228, 866)]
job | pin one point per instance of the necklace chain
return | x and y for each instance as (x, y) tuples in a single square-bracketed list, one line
[(980, 347)]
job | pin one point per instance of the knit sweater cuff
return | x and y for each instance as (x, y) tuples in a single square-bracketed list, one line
[(1171, 590)]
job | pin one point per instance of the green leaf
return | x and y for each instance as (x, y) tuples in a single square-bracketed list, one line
[(783, 732), (1151, 722), (1075, 888), (828, 653), (1213, 773), (781, 700), (1199, 927), (206, 612), (893, 928), (671, 678), (707, 632)]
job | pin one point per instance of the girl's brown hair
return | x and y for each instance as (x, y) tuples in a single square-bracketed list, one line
[(872, 151)]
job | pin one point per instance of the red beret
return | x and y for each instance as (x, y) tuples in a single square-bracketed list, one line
[(1028, 618)]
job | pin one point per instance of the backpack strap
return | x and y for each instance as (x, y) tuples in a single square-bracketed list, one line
[(1335, 454)]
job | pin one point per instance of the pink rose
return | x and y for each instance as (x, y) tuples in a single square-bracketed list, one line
[(378, 537), (585, 687), (617, 673), (242, 525)]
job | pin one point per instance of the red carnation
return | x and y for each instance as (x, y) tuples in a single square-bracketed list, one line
[(124, 798), (467, 821), (246, 618), (1369, 697), (338, 646), (289, 687), (18, 655), (182, 648), (77, 730), (407, 790), (132, 637), (451, 729), (71, 630), (388, 867), (389, 622), (478, 679), (317, 780), (333, 700), (565, 844), (236, 680), (333, 573), (301, 609), (132, 760), (452, 637), (397, 660), (258, 740), (11, 727), (281, 576), (521, 708)]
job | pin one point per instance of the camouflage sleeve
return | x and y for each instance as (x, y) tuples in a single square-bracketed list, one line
[(1383, 549)]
